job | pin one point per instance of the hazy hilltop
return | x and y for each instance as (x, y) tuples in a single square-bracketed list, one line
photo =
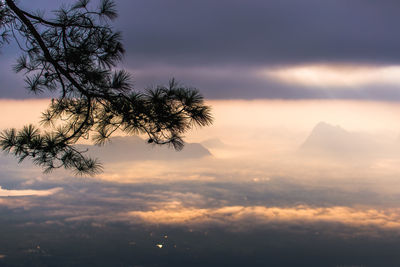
[(128, 148), (334, 141), (214, 143)]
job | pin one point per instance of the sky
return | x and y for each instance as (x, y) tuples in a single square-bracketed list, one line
[(300, 167), (254, 49)]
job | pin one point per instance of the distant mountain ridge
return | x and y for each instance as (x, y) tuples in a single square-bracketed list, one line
[(129, 148)]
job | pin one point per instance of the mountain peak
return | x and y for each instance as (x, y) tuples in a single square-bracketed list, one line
[(327, 139), (326, 127)]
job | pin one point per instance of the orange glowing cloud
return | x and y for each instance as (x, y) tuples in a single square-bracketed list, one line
[(174, 213)]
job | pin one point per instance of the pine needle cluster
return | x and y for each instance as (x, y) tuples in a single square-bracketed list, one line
[(75, 53)]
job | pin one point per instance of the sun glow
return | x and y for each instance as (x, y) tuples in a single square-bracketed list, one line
[(28, 192), (335, 75)]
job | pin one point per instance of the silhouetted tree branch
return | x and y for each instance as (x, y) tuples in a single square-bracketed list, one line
[(76, 53)]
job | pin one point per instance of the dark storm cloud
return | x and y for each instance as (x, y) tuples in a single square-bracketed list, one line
[(259, 32), (174, 38), (253, 32)]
